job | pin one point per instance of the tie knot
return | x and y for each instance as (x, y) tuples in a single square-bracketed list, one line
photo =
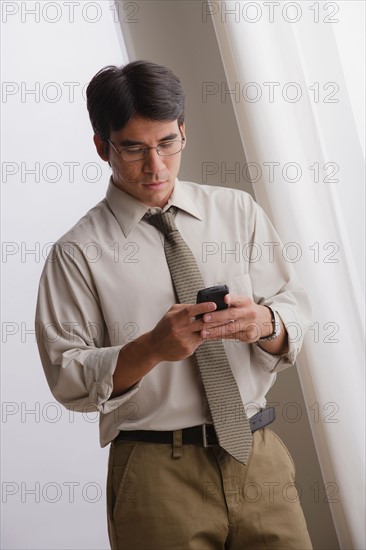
[(164, 221)]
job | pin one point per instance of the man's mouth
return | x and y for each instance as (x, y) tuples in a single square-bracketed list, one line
[(154, 184)]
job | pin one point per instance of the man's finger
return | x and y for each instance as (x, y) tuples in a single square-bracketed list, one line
[(201, 309), (209, 324), (236, 300), (191, 314), (221, 331)]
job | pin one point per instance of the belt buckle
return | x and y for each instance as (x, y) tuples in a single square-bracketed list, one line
[(205, 442)]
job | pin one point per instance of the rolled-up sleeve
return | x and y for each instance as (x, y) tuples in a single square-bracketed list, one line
[(276, 284), (72, 337)]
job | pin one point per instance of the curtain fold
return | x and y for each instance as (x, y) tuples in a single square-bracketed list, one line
[(290, 148)]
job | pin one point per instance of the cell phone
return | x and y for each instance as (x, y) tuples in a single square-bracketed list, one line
[(213, 294)]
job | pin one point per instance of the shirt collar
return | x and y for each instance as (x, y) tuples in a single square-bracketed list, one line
[(129, 211)]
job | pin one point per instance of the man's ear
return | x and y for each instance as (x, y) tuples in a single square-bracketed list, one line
[(102, 147), (182, 130)]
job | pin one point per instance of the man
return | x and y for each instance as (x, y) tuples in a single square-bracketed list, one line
[(116, 335)]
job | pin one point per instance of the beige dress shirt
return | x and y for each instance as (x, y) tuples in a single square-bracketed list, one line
[(106, 281)]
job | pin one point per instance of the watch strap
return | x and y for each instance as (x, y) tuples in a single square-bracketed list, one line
[(276, 324)]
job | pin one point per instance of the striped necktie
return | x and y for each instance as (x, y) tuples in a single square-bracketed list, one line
[(222, 393)]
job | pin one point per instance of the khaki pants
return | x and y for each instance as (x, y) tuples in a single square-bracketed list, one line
[(164, 497)]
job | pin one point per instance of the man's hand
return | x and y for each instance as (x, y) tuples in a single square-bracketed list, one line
[(175, 337), (179, 333), (246, 321)]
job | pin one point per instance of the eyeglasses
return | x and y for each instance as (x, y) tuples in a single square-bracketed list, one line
[(140, 152)]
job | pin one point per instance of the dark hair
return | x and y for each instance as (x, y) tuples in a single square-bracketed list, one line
[(116, 94)]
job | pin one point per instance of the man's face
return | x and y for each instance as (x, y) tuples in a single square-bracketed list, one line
[(150, 180)]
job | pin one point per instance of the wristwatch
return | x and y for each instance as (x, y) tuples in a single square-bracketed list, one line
[(276, 324)]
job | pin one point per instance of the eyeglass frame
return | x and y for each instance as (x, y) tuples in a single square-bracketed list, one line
[(147, 149)]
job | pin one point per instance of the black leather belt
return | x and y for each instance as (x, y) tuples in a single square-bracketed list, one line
[(197, 435)]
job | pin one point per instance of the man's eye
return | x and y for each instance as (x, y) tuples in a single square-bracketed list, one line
[(134, 150), (166, 145)]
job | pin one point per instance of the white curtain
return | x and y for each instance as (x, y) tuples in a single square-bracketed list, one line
[(302, 145)]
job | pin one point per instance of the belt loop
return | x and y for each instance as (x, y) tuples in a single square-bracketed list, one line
[(177, 444)]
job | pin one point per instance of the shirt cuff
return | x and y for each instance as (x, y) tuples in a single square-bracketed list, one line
[(276, 363), (99, 367)]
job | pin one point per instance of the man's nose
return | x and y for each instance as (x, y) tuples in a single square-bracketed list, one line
[(153, 162)]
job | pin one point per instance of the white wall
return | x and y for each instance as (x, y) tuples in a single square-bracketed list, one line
[(53, 471)]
